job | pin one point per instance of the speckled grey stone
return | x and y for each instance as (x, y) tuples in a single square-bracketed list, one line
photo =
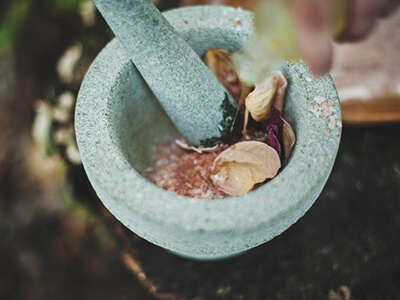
[(119, 122), (187, 90)]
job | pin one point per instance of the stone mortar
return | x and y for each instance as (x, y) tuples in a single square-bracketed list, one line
[(119, 122)]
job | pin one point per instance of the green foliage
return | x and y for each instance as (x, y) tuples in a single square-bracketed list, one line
[(66, 5), (12, 22)]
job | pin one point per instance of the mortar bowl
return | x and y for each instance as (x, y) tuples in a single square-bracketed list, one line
[(119, 122)]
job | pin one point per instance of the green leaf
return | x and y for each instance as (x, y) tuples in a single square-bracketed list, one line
[(12, 22)]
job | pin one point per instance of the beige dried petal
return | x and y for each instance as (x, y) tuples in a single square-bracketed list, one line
[(219, 61), (199, 150), (243, 165), (259, 101), (271, 91), (279, 98), (245, 122), (288, 141)]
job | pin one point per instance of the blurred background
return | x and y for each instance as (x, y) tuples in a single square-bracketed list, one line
[(58, 241)]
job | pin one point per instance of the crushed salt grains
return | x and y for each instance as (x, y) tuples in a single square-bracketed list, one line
[(319, 99), (188, 173), (185, 172), (332, 123), (324, 108), (228, 17)]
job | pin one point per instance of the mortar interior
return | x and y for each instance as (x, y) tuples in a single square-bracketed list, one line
[(139, 123)]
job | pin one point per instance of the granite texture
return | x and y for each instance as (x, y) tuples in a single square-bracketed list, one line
[(119, 122), (187, 90)]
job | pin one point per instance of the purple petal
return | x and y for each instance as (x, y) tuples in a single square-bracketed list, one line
[(274, 119), (272, 139)]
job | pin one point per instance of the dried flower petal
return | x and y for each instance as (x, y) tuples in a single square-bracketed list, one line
[(200, 149), (272, 138), (259, 102), (285, 134), (274, 119), (288, 141), (219, 61), (272, 89), (279, 99), (240, 167)]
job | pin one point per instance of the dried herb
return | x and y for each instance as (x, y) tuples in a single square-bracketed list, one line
[(237, 169), (228, 127)]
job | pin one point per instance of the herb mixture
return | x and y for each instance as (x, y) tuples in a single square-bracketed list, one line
[(250, 160)]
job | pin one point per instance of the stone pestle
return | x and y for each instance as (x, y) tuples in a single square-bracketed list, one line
[(191, 95)]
